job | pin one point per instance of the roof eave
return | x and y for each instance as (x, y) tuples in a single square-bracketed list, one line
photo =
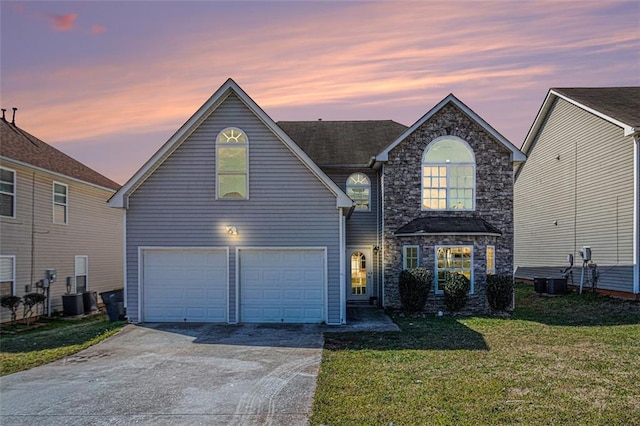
[(420, 234), (61, 175)]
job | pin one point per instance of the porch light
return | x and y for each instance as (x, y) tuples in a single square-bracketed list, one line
[(231, 230)]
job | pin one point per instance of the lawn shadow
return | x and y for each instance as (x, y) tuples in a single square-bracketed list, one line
[(574, 309), (442, 334)]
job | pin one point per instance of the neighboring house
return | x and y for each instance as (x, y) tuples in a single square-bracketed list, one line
[(580, 187), (239, 219), (54, 215)]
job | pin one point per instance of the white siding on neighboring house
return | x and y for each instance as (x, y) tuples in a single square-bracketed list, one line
[(576, 189), (287, 206)]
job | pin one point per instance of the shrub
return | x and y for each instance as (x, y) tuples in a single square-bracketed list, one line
[(456, 291), (500, 291), (11, 303), (29, 301), (414, 286)]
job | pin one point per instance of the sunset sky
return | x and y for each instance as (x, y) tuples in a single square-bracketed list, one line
[(108, 82)]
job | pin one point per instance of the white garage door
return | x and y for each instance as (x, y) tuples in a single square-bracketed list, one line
[(285, 286), (184, 284)]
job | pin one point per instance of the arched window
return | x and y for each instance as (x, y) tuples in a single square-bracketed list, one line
[(232, 164), (359, 190), (448, 175)]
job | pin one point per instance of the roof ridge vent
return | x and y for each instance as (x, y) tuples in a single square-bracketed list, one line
[(13, 120)]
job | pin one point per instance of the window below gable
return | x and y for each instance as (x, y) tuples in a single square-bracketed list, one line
[(60, 203), (7, 193), (232, 164), (359, 190), (448, 175)]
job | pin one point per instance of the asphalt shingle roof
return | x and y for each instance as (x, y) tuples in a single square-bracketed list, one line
[(339, 143), (448, 225), (620, 103), (19, 145)]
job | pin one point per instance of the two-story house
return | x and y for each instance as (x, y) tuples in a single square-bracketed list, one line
[(581, 188), (240, 219), (54, 215)]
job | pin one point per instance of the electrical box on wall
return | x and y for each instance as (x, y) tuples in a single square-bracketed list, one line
[(586, 253), (51, 275)]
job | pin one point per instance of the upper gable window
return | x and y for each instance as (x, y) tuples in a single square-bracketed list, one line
[(359, 190), (7, 193), (60, 203), (448, 175), (232, 165)]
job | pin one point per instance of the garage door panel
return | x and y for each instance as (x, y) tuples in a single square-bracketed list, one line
[(282, 285), (185, 284)]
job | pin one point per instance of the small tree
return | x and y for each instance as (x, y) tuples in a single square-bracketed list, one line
[(29, 301), (11, 303), (414, 286), (456, 291), (500, 291)]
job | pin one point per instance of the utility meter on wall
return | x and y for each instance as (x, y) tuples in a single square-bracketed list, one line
[(586, 253), (50, 275)]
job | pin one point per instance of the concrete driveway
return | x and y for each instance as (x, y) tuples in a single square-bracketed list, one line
[(174, 374)]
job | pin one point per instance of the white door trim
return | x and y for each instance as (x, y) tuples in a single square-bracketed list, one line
[(368, 252)]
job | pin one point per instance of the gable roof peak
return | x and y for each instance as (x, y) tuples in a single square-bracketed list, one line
[(516, 155), (120, 198)]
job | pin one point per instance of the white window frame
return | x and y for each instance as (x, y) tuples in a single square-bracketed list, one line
[(491, 260), (13, 195), (448, 177), (436, 269), (366, 186), (13, 272), (405, 257), (55, 203), (86, 272), (246, 173)]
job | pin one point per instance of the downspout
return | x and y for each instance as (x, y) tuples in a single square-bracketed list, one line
[(343, 285), (636, 214), (382, 245), (124, 257)]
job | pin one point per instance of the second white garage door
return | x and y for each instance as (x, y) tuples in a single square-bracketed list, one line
[(282, 286), (184, 285)]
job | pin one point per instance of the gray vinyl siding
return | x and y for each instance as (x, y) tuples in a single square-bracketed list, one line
[(362, 226), (288, 206), (579, 174), (93, 229)]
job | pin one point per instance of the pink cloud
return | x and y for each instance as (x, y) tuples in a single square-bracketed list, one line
[(63, 22), (98, 29)]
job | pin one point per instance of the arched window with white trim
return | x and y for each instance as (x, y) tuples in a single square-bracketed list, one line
[(448, 175), (232, 164), (359, 190)]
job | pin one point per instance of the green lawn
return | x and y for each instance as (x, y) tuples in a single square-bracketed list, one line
[(57, 339), (563, 360)]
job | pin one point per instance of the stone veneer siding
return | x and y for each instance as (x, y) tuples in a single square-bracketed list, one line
[(402, 203)]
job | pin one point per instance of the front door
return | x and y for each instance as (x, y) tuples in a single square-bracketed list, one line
[(359, 277)]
